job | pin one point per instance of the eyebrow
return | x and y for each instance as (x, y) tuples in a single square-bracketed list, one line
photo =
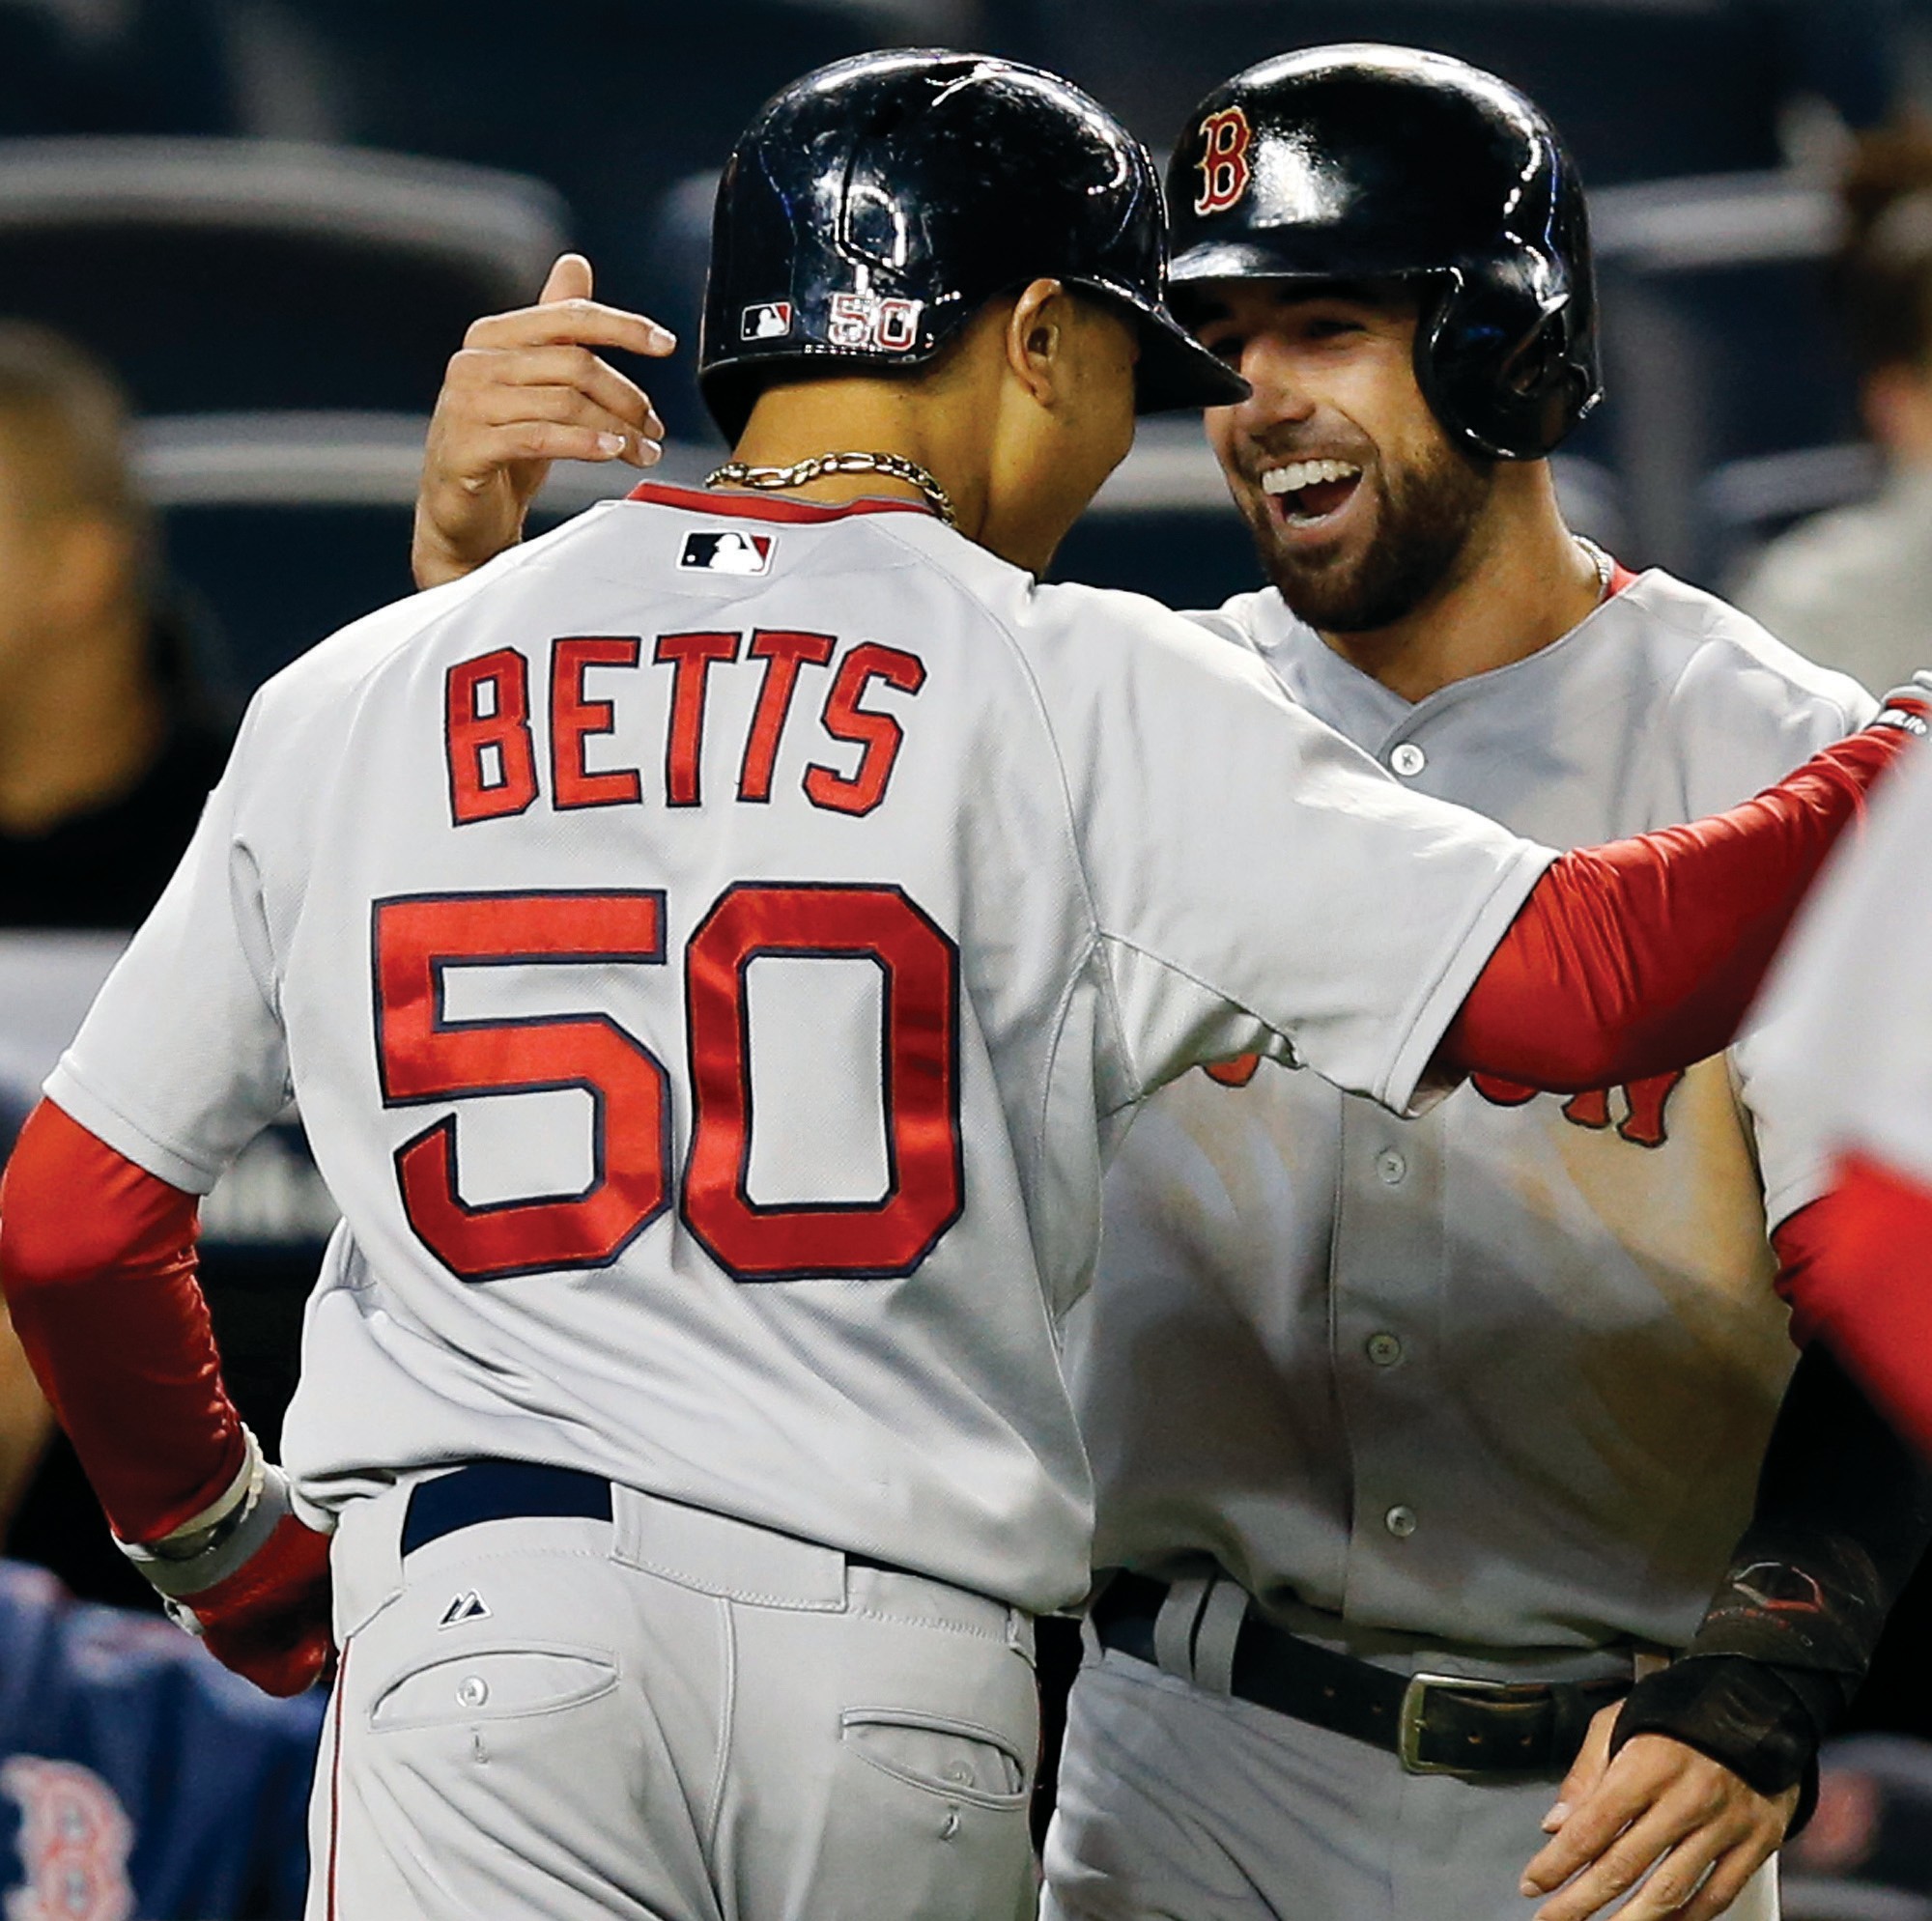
[(1383, 296)]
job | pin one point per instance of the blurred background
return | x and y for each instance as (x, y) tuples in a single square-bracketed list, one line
[(270, 221)]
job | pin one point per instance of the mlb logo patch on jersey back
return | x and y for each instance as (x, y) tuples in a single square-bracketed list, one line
[(731, 552), (770, 320)]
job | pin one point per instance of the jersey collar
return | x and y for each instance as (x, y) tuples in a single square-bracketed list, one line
[(767, 506)]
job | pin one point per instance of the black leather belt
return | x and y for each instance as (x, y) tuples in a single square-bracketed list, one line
[(1435, 1724)]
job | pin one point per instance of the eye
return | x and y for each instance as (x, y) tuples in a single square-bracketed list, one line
[(1228, 346), (1332, 326)]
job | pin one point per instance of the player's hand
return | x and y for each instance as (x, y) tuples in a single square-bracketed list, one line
[(1661, 1810), (529, 388), (270, 1619)]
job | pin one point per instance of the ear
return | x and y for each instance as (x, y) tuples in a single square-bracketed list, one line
[(1037, 338)]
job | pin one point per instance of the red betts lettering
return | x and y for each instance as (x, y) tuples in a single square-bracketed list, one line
[(575, 719), (783, 653), (491, 756), (881, 736), (691, 657), (492, 768)]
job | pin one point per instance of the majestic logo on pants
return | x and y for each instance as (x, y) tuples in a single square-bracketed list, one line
[(1223, 164)]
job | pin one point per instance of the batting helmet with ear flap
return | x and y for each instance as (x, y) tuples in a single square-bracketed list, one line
[(875, 207), (1363, 162)]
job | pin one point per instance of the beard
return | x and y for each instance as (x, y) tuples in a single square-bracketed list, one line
[(1425, 515)]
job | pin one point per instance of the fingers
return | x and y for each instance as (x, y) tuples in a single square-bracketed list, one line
[(508, 378), (1728, 1880), (494, 449), (570, 279), (1620, 1865), (1628, 1791), (1586, 1770), (573, 321)]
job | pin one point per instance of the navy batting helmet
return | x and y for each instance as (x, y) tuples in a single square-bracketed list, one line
[(875, 207), (1367, 162)]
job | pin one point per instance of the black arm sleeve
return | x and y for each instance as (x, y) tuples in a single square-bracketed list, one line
[(1844, 1511)]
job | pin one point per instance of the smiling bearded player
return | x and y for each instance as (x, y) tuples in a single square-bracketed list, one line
[(1480, 1396), (1485, 1393)]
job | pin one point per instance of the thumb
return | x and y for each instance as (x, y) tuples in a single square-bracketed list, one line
[(569, 280)]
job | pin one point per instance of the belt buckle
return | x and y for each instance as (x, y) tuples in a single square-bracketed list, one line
[(1415, 1705)]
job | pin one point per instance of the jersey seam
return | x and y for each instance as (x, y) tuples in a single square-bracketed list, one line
[(1096, 934)]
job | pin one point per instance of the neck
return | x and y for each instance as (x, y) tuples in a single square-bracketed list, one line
[(1520, 583), (78, 726), (856, 414)]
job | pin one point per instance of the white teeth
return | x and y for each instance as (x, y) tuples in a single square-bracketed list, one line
[(1297, 474)]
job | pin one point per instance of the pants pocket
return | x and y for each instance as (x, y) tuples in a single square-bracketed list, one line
[(954, 1760), (493, 1685)]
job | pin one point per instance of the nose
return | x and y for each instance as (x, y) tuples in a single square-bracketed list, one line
[(1268, 366)]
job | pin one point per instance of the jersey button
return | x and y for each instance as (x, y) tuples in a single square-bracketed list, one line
[(1408, 760), (1392, 1167), (473, 1692), (1400, 1522), (1384, 1349)]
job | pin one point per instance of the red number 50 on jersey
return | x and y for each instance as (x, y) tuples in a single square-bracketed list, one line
[(424, 1056)]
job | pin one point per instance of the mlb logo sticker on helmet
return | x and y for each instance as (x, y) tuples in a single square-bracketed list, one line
[(769, 320), (731, 552)]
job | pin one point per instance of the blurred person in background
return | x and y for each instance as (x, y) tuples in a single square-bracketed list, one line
[(1852, 588), (105, 759)]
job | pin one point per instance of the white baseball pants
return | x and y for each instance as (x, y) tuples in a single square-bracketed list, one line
[(667, 1716), (1178, 1804)]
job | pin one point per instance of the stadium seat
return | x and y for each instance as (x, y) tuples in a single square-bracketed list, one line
[(232, 274), (612, 102), (1732, 405), (1639, 90)]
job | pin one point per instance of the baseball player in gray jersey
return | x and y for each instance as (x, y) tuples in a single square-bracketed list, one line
[(1478, 1395)]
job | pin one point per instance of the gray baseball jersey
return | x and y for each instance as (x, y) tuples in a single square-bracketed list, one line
[(715, 948), (1851, 1036), (1500, 1375)]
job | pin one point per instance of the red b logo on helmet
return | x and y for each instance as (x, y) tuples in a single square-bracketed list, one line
[(1224, 161)]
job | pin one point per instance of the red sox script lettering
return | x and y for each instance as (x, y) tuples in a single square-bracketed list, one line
[(1645, 1101), (1223, 164), (489, 744)]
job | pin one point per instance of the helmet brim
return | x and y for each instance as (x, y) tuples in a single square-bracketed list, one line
[(1175, 370)]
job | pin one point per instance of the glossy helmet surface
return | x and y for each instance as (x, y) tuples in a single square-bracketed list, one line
[(875, 207), (1365, 163)]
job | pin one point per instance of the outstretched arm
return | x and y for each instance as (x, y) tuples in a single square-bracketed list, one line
[(1642, 955)]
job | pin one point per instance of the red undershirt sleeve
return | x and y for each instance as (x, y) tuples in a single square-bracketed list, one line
[(97, 1264), (1641, 955), (1856, 1268)]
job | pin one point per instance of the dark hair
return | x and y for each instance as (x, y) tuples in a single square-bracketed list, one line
[(1884, 271)]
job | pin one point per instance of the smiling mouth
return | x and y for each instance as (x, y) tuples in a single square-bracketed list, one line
[(1309, 491)]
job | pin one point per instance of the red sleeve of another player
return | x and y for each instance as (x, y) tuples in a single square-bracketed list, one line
[(1857, 1270), (97, 1261), (1641, 956)]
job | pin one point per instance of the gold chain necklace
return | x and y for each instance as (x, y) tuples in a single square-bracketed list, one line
[(1606, 567), (770, 479)]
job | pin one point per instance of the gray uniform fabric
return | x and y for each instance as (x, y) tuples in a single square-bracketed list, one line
[(1852, 588), (809, 1738), (1485, 1386)]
